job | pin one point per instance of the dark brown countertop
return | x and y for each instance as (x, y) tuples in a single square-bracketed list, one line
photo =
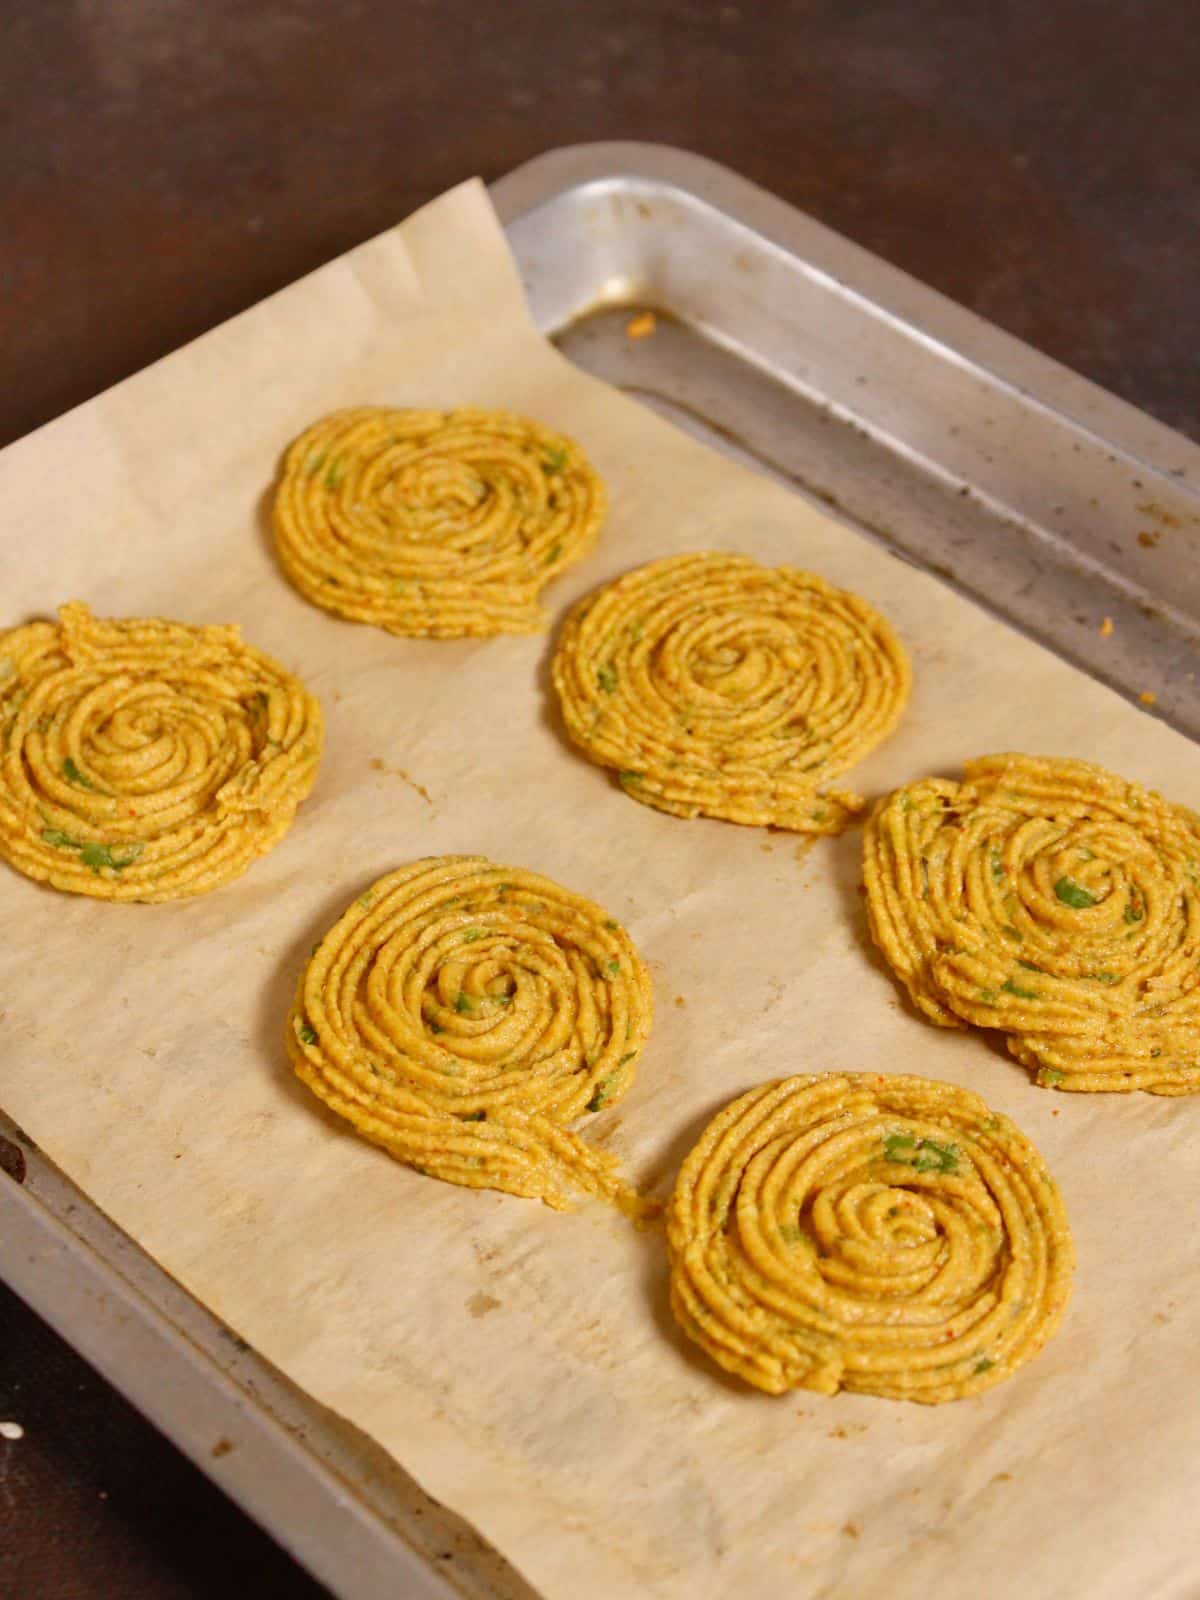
[(164, 165)]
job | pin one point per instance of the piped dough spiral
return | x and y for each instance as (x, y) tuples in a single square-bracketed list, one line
[(720, 687), (146, 760), (1056, 901), (462, 1014), (889, 1235), (431, 523)]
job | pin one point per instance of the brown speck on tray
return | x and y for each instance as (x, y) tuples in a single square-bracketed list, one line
[(680, 1001), (1151, 508), (1148, 697), (850, 1529), (641, 326), (480, 1304), (378, 764), (221, 1448), (1148, 540), (1106, 628)]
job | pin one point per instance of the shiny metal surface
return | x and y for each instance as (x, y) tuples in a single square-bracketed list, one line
[(1035, 493), (1025, 487)]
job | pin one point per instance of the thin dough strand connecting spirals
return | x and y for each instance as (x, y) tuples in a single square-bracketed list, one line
[(1053, 900), (887, 1235), (461, 1014), (439, 524), (715, 686), (146, 760)]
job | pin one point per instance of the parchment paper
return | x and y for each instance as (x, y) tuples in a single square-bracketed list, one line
[(524, 1365)]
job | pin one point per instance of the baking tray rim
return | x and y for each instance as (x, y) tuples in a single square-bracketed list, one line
[(953, 330)]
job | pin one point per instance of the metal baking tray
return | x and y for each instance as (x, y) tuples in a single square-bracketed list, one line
[(1040, 496)]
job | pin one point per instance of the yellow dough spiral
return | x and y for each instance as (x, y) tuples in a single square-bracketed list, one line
[(1053, 900), (461, 1014), (146, 760), (431, 523), (887, 1235), (716, 686)]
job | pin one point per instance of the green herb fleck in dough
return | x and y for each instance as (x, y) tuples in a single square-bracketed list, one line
[(60, 840), (463, 1002), (984, 1364), (607, 679), (94, 856), (554, 460), (474, 1116), (553, 554), (1049, 1076), (97, 856), (614, 966), (926, 1155), (630, 780), (471, 934), (1073, 894), (601, 1093), (1013, 988), (73, 775), (306, 1032)]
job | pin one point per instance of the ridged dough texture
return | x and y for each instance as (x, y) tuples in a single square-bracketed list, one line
[(716, 686), (462, 1014), (146, 760), (431, 523), (888, 1235), (1056, 901)]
